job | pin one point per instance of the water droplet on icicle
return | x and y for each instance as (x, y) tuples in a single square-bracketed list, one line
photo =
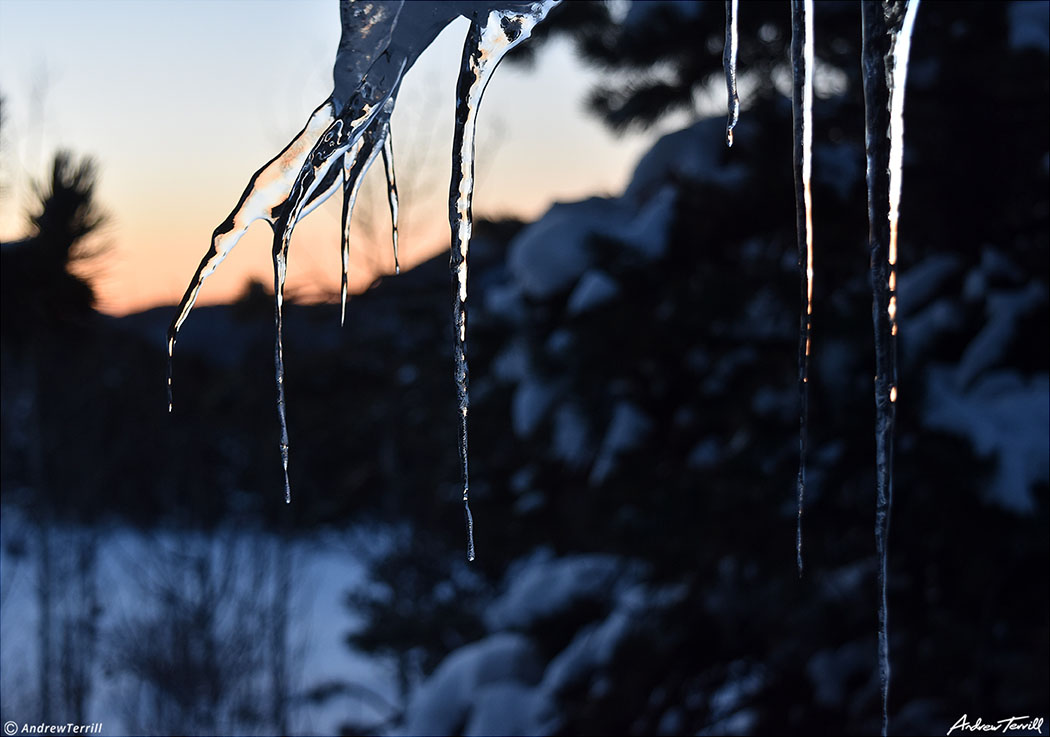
[(886, 40), (802, 117), (729, 65)]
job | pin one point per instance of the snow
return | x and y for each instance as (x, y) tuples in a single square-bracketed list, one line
[(443, 704), (1002, 413), (559, 343), (532, 398), (1004, 417), (647, 233), (504, 300), (705, 454), (594, 289), (1004, 309), (742, 722), (695, 154), (937, 318), (672, 722), (540, 588), (547, 256), (512, 363), (593, 648), (830, 670), (995, 267), (919, 284), (494, 686), (508, 708), (626, 430), (732, 695), (498, 685), (552, 253), (774, 402), (572, 442), (134, 570), (1029, 25)]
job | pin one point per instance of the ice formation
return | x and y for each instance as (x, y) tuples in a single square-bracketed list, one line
[(802, 115), (886, 40), (379, 43), (345, 134), (729, 64)]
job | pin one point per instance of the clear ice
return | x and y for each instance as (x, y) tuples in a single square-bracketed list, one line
[(490, 37), (802, 117), (391, 191), (886, 39), (729, 65), (345, 134), (380, 41)]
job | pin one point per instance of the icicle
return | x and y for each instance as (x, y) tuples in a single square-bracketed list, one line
[(338, 140), (802, 116), (282, 192), (286, 184), (391, 190), (488, 40), (355, 165), (353, 127), (310, 176), (280, 273), (266, 192), (729, 64), (887, 27)]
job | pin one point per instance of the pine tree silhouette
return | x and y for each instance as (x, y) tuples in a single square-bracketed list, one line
[(39, 291)]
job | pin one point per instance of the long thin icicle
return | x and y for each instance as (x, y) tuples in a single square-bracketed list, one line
[(283, 205), (729, 65), (886, 34), (266, 193), (379, 43), (340, 138), (355, 165), (488, 40), (802, 116), (391, 190), (310, 179)]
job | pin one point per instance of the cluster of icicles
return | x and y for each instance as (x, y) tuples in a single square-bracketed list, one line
[(381, 40), (886, 40)]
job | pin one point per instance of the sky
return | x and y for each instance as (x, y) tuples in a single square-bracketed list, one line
[(180, 102)]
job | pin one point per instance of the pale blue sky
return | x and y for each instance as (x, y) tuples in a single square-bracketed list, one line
[(181, 101)]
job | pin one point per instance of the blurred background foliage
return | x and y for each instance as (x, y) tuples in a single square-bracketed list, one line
[(653, 428)]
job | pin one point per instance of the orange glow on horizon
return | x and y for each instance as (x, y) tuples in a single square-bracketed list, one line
[(168, 174), (128, 281)]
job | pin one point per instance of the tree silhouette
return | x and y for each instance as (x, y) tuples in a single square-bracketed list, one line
[(40, 292)]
